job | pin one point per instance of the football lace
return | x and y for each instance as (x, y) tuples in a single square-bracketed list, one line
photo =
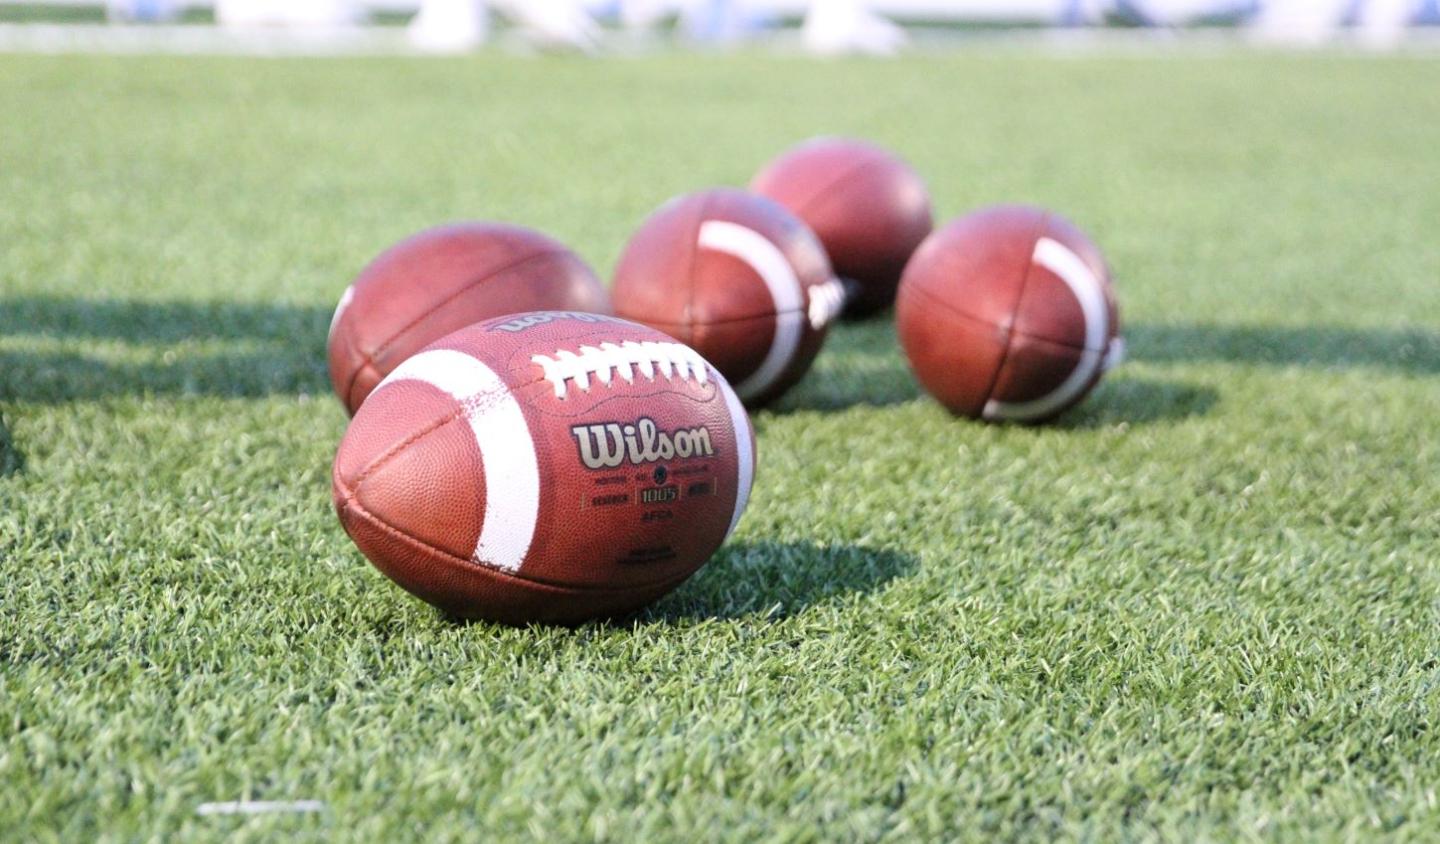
[(607, 360), (826, 302)]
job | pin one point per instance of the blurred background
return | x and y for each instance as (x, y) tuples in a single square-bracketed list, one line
[(820, 26)]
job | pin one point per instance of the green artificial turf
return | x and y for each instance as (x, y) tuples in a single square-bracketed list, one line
[(1205, 605)]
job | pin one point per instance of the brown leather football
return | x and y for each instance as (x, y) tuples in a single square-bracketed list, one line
[(545, 467), (868, 207), (738, 278), (442, 279), (1008, 315)]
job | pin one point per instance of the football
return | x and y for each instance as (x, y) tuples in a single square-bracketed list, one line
[(738, 278), (868, 207), (545, 467), (443, 279), (1008, 314)]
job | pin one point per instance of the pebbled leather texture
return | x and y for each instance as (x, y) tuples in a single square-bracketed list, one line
[(985, 323), (869, 208), (443, 279), (437, 451)]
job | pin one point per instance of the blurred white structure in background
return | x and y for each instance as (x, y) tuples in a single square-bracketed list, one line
[(1177, 12), (455, 25), (1379, 24), (141, 11), (848, 26), (717, 21), (1298, 22), (644, 14), (1382, 23), (449, 26), (872, 26), (878, 27), (306, 14), (560, 24)]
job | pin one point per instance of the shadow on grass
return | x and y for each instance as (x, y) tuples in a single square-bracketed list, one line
[(865, 366), (11, 460), (860, 364), (62, 377), (278, 349), (779, 579), (1123, 400), (1413, 350), (774, 580)]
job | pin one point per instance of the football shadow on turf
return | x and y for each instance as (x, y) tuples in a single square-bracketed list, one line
[(1125, 400), (776, 580), (93, 348), (1412, 350), (11, 460), (860, 364)]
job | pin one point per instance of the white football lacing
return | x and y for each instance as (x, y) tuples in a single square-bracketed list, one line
[(604, 361), (826, 302)]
